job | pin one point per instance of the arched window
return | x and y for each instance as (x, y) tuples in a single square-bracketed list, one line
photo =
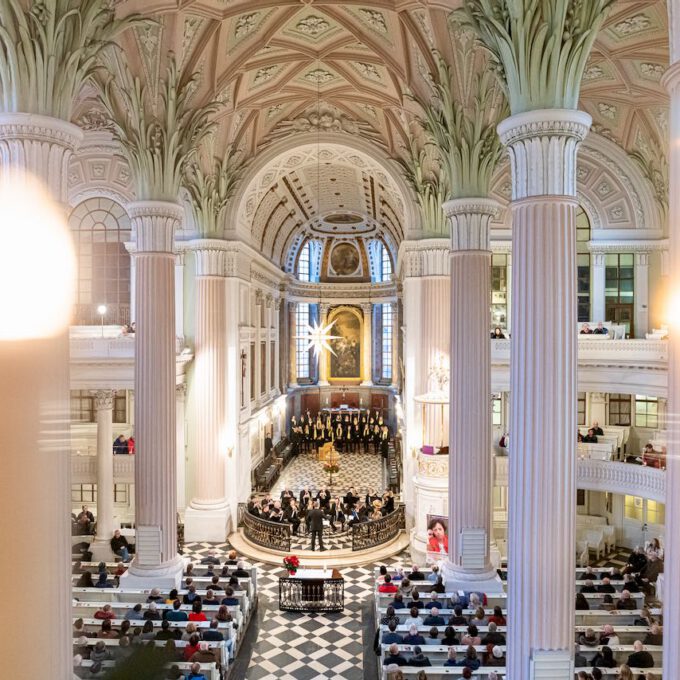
[(381, 262), (100, 228), (583, 264), (308, 263)]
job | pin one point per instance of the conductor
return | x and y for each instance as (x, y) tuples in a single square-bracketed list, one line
[(315, 520)]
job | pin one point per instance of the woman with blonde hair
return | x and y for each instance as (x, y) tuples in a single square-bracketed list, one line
[(625, 673)]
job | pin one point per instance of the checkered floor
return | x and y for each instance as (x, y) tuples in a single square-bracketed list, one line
[(359, 470), (306, 647)]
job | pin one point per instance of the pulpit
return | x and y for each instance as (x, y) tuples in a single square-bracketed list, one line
[(312, 591)]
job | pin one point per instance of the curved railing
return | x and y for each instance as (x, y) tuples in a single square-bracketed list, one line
[(376, 532), (272, 535)]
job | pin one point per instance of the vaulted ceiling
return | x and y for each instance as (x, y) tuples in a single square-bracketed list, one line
[(286, 67)]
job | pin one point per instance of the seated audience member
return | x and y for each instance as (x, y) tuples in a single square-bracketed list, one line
[(165, 633), (418, 659), (650, 573), (120, 546), (387, 586), (493, 637), (590, 438), (604, 658), (210, 558), (394, 657), (416, 574), (471, 660), (608, 636), (190, 595), (600, 330), (215, 584), (124, 648), (586, 329), (581, 603), (382, 573), (640, 658), (147, 631), (434, 619), (85, 580), (471, 637), (152, 613), (413, 637), (229, 600), (240, 571), (416, 601), (203, 654), (625, 601), (479, 617), (588, 587), (466, 674), (213, 633), (195, 672), (434, 603), (595, 427), (451, 659), (389, 616), (450, 638), (606, 586), (172, 596), (582, 675), (106, 632), (625, 673), (79, 629), (496, 658), (135, 614), (438, 587), (434, 574), (497, 616), (596, 674), (391, 637), (589, 639), (197, 612), (405, 587), (398, 602), (457, 619), (155, 596), (398, 574), (654, 548), (102, 581), (630, 584), (192, 646), (636, 562), (413, 618), (85, 521), (654, 636), (607, 603), (497, 334), (99, 652), (433, 637), (105, 613), (211, 599)]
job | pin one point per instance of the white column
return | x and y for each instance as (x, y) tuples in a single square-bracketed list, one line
[(179, 295), (180, 420), (276, 382), (641, 288), (324, 357), (542, 147), (36, 477), (292, 332), (206, 517), (131, 248), (509, 296), (395, 344), (259, 302), (598, 308), (268, 325), (101, 547), (156, 561), (470, 459), (671, 649), (367, 354)]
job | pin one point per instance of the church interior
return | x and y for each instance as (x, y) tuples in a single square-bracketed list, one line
[(339, 339)]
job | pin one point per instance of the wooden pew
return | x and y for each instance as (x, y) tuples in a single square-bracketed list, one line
[(210, 670)]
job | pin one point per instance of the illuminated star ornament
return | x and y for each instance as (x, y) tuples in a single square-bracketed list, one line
[(319, 338)]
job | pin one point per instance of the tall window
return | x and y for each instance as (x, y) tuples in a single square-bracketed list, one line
[(583, 265), (387, 338), (385, 264), (499, 290), (646, 411), (620, 289), (381, 262), (619, 409), (305, 262), (496, 409), (100, 228), (82, 406), (301, 352), (581, 408)]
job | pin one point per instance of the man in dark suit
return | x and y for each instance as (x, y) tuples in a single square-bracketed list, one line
[(315, 521), (640, 658), (293, 516)]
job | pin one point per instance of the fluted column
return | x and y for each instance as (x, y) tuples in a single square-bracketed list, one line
[(292, 358), (542, 146), (470, 459), (367, 355), (671, 610), (324, 357), (156, 560), (34, 422), (206, 518), (101, 547), (180, 401)]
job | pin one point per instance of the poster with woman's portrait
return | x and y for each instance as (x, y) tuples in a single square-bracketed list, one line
[(346, 362), (437, 536)]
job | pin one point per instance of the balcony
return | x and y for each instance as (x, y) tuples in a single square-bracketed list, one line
[(84, 469)]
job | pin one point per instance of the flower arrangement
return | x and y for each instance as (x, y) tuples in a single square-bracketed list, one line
[(331, 468), (291, 563)]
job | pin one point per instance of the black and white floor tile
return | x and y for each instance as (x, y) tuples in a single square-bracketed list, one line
[(306, 647)]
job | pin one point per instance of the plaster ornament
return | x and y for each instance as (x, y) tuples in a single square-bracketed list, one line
[(245, 24), (312, 26), (594, 72), (607, 110), (319, 76), (368, 71), (632, 25), (265, 74), (375, 19)]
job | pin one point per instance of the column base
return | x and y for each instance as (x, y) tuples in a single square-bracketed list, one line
[(486, 581), (551, 665), (208, 523), (164, 576), (101, 551)]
